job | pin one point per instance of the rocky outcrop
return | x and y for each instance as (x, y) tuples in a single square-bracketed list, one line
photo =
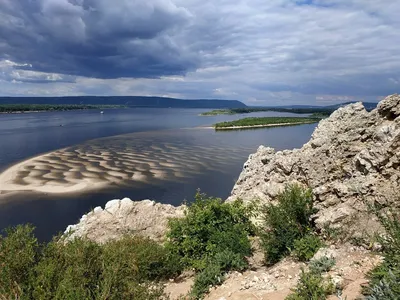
[(119, 217), (352, 158)]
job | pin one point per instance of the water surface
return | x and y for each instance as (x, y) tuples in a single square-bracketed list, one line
[(141, 153)]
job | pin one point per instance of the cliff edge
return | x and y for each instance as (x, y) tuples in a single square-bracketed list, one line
[(119, 217), (352, 158)]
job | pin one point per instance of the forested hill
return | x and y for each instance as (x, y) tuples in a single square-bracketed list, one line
[(131, 101)]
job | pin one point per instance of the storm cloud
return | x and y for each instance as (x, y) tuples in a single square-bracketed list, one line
[(260, 52), (94, 38)]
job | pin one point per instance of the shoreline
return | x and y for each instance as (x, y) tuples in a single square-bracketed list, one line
[(23, 112), (261, 126)]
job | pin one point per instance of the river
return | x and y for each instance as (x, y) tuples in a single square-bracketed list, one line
[(142, 153)]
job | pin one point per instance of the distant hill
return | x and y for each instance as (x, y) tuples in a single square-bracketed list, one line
[(368, 106), (131, 101)]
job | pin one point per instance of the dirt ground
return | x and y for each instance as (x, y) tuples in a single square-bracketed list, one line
[(276, 282)]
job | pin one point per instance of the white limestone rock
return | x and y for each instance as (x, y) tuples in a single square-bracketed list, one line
[(119, 217), (353, 157)]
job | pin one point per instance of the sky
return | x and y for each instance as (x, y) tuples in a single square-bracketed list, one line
[(261, 52)]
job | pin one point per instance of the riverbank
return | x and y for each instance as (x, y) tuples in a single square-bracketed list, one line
[(260, 126), (324, 112), (248, 123), (34, 108)]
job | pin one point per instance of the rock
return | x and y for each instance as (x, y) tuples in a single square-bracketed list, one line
[(390, 107), (338, 281), (119, 217), (325, 252), (248, 285), (351, 159)]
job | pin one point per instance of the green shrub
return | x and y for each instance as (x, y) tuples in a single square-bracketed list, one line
[(385, 289), (151, 260), (287, 221), (121, 269), (214, 272), (210, 227), (385, 278), (68, 271), (125, 269), (228, 260), (18, 255), (306, 247), (209, 276), (324, 264), (311, 286)]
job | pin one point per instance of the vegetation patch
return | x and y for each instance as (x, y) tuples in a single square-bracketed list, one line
[(209, 227), (12, 108), (265, 121), (213, 238), (288, 221), (305, 248), (317, 112), (312, 286), (322, 265), (385, 278), (126, 269)]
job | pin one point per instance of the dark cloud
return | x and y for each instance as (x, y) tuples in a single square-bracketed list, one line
[(95, 38), (263, 52)]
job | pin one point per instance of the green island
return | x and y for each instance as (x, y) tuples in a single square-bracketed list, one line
[(325, 112), (264, 122), (21, 108)]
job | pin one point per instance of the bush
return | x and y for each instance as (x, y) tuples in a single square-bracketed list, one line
[(69, 271), (210, 227), (385, 278), (311, 286), (385, 288), (18, 255), (213, 239), (82, 269), (209, 276), (324, 264), (151, 260), (214, 272), (287, 221), (228, 260), (306, 247)]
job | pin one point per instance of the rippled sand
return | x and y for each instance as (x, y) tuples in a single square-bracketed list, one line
[(149, 158)]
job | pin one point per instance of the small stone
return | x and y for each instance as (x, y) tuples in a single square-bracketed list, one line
[(337, 281), (325, 252), (248, 285)]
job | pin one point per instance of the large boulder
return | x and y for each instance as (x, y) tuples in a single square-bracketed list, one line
[(352, 158), (146, 218)]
